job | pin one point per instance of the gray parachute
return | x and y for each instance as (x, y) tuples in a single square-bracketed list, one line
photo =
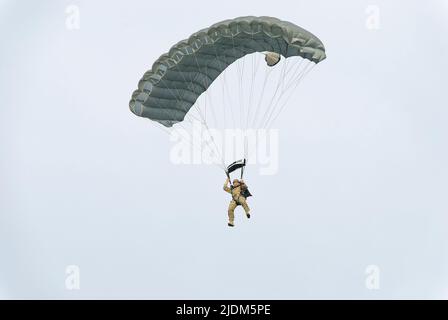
[(167, 92)]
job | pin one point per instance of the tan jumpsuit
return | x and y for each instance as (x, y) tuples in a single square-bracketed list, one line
[(237, 199)]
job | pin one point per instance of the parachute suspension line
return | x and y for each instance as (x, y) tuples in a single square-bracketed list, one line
[(240, 90), (212, 147), (223, 67), (234, 55), (294, 69), (208, 144), (237, 70), (280, 86), (222, 60), (242, 104), (195, 146), (297, 73), (209, 97), (212, 109), (255, 66), (216, 146), (291, 82), (302, 76), (204, 122), (291, 87), (265, 106), (226, 97), (256, 113), (284, 82), (186, 138), (222, 80), (279, 82), (228, 102), (174, 129), (249, 107), (239, 73), (205, 105), (258, 105)]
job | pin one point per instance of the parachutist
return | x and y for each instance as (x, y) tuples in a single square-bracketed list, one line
[(239, 191)]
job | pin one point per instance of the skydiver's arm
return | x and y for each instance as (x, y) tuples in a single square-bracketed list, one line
[(226, 186)]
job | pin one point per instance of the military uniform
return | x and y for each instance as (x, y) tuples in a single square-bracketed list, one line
[(237, 199)]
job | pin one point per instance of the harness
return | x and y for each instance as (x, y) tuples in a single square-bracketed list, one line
[(235, 197), (243, 193)]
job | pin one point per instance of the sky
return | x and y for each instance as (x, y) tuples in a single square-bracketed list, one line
[(87, 186)]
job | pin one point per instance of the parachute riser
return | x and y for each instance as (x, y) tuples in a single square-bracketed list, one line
[(240, 164)]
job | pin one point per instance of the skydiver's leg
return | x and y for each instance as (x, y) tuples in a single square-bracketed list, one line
[(230, 211), (246, 208)]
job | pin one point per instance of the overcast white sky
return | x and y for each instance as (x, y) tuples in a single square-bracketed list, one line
[(362, 174)]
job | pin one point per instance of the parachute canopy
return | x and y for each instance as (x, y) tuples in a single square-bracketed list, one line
[(168, 91)]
